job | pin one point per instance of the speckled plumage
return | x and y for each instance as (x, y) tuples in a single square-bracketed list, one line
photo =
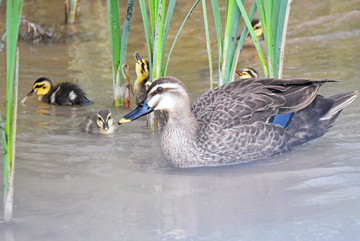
[(231, 123)]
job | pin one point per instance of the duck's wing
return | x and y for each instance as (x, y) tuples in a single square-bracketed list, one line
[(246, 101)]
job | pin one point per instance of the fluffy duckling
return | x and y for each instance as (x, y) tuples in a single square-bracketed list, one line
[(248, 73), (233, 123), (140, 88), (101, 122), (259, 32), (65, 93), (142, 74)]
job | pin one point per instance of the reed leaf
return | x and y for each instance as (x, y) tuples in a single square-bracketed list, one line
[(8, 132), (218, 28), (146, 29), (230, 34), (283, 37), (208, 47), (125, 32), (169, 14)]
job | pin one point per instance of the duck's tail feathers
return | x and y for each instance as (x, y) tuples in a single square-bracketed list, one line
[(340, 102), (317, 118)]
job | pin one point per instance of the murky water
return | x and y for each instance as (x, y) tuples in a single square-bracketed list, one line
[(71, 185)]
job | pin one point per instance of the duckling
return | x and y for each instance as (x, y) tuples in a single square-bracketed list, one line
[(101, 122), (140, 88), (142, 74), (259, 32), (232, 123), (248, 73), (65, 93)]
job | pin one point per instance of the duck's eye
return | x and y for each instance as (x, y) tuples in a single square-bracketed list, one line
[(44, 87), (159, 89), (99, 119)]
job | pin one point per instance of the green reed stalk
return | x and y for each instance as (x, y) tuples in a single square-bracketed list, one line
[(232, 22), (274, 19), (118, 44), (207, 34), (8, 132)]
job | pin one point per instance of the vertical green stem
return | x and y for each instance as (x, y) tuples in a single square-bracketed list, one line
[(208, 43), (231, 29)]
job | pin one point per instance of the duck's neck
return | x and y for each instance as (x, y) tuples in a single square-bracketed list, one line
[(179, 139)]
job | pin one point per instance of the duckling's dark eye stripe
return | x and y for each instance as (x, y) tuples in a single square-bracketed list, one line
[(100, 118), (143, 66), (108, 116), (39, 86)]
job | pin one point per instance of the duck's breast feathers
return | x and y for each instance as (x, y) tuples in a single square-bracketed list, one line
[(246, 101), (68, 93)]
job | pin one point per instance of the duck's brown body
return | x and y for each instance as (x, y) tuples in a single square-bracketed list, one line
[(233, 123)]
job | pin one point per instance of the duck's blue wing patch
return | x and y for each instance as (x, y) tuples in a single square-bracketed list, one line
[(281, 119)]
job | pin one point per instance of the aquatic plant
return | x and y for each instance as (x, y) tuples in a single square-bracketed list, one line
[(119, 43), (8, 131), (273, 17), (156, 26), (72, 11)]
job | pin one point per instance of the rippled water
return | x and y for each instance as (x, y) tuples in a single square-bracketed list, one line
[(71, 185)]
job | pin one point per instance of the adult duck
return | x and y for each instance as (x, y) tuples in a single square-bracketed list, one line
[(233, 123)]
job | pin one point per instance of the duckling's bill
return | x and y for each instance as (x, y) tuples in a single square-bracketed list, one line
[(142, 109)]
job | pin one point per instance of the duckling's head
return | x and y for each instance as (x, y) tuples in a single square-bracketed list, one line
[(168, 94), (142, 71), (256, 24), (42, 86), (248, 73), (104, 119)]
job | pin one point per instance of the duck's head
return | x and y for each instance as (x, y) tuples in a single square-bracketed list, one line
[(42, 86), (168, 94), (248, 73), (104, 119), (141, 69)]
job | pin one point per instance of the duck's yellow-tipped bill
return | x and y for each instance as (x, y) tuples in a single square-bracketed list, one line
[(140, 110), (123, 120)]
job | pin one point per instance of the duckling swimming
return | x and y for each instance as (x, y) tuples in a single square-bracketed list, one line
[(101, 122), (233, 123), (65, 93)]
